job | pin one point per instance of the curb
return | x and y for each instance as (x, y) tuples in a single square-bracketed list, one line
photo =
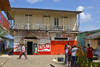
[(52, 65), (4, 62)]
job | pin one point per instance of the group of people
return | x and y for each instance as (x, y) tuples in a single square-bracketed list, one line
[(73, 52), (2, 46)]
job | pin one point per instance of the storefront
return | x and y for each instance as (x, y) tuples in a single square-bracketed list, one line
[(43, 44)]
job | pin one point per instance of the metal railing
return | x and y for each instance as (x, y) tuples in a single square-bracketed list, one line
[(31, 26)]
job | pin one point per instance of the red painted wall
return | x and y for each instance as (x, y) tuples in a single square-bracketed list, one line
[(44, 53), (16, 53), (4, 22), (57, 47)]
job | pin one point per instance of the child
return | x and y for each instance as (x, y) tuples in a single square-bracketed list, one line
[(69, 56)]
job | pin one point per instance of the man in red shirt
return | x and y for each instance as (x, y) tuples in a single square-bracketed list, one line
[(89, 52)]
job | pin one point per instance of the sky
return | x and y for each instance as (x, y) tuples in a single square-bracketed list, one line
[(89, 19)]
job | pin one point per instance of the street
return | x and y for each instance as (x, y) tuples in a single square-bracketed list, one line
[(33, 61)]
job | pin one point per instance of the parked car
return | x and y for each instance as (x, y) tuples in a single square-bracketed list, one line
[(96, 54)]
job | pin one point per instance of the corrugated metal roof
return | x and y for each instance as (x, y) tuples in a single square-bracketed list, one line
[(51, 10), (92, 31), (5, 5), (94, 36)]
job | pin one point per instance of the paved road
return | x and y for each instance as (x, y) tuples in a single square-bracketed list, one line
[(33, 61)]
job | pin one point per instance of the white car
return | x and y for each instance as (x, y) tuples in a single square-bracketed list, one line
[(96, 54)]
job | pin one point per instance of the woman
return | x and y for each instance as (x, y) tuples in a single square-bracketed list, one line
[(23, 52), (66, 53)]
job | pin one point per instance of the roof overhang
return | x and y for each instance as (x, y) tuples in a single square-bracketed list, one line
[(5, 5), (50, 10), (10, 14), (95, 36)]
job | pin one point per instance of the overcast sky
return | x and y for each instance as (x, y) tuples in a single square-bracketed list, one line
[(90, 18)]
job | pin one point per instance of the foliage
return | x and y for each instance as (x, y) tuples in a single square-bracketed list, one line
[(84, 62), (2, 52)]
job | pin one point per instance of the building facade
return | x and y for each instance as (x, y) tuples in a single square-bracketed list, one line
[(4, 24), (44, 31), (85, 38)]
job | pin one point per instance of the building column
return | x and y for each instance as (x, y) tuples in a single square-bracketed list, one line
[(78, 21), (28, 21), (89, 41), (63, 21)]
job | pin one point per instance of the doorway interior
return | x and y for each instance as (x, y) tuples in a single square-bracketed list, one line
[(29, 48)]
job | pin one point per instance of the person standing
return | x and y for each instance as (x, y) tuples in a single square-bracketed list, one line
[(3, 45), (74, 50), (89, 52), (0, 47), (69, 56), (66, 52), (23, 52), (68, 45)]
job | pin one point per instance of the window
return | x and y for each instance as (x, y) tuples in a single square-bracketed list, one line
[(56, 22), (99, 43), (35, 48), (58, 35)]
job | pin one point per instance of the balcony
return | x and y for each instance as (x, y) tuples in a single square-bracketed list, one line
[(30, 26)]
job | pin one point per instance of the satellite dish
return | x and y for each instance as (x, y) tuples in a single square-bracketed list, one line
[(1, 39), (1, 31), (4, 34)]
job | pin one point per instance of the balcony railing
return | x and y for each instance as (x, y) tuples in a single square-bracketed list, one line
[(31, 26)]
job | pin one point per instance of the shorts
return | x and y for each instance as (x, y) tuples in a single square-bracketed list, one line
[(69, 58), (90, 59)]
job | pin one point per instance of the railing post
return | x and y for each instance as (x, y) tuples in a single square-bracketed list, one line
[(17, 25), (63, 21), (28, 26), (78, 21)]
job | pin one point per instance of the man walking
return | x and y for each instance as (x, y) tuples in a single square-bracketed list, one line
[(23, 52)]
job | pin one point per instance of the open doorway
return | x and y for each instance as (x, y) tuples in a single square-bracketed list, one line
[(29, 48)]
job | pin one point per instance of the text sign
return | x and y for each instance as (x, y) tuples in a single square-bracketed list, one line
[(67, 35), (44, 47)]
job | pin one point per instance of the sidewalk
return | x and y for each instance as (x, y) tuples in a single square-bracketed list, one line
[(34, 61), (3, 59)]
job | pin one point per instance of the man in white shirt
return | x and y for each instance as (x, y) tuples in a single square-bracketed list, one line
[(74, 50)]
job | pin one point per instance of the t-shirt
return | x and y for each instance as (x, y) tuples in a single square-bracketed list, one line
[(66, 51), (69, 53), (89, 54), (68, 46), (74, 51), (23, 48)]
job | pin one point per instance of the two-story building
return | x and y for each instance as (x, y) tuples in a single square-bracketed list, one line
[(44, 31), (4, 24)]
